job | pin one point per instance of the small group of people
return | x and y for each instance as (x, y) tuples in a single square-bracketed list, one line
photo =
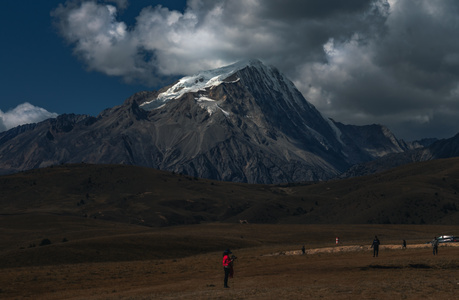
[(376, 243), (229, 260)]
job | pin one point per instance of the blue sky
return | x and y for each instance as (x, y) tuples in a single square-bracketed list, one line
[(359, 61), (37, 65)]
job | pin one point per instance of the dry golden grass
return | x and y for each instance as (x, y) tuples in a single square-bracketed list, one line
[(413, 273)]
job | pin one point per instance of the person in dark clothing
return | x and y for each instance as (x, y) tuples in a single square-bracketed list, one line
[(303, 249), (227, 266), (404, 244), (375, 246), (435, 246)]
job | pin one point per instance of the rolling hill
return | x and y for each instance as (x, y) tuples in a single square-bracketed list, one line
[(419, 193)]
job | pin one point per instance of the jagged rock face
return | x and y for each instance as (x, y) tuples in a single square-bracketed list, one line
[(434, 149), (243, 123), (366, 143)]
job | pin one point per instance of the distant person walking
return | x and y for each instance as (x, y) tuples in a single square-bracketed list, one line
[(404, 244), (303, 249), (375, 246), (435, 246), (227, 266)]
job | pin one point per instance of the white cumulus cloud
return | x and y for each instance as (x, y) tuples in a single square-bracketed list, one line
[(25, 113)]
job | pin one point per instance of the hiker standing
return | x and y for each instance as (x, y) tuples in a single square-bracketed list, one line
[(303, 249), (435, 246), (375, 246), (227, 266), (404, 244)]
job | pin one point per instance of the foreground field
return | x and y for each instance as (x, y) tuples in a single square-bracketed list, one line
[(262, 270), (409, 274)]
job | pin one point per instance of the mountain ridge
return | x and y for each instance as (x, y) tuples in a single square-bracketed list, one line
[(434, 149), (245, 123)]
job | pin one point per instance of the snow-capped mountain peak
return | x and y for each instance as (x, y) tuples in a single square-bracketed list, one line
[(200, 82), (245, 122)]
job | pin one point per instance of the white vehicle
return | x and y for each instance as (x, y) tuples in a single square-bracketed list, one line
[(447, 239)]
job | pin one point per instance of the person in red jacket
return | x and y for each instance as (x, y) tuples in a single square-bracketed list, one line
[(227, 266)]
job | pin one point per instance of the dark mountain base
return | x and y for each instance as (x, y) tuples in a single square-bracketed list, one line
[(420, 193)]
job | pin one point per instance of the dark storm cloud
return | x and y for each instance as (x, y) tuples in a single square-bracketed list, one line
[(407, 77), (359, 62), (316, 9)]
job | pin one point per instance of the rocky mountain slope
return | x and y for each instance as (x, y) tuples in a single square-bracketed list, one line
[(245, 123), (445, 148)]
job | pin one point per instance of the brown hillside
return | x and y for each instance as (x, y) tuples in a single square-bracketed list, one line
[(418, 193)]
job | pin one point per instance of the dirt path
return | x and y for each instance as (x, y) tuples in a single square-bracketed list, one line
[(352, 248)]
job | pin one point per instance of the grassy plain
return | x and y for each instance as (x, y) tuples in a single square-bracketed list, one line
[(123, 232), (184, 262)]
